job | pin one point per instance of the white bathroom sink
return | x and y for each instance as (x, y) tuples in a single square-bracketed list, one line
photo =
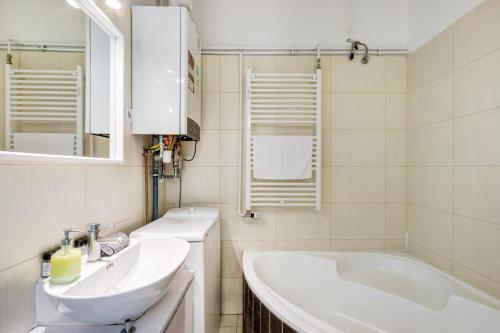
[(123, 286)]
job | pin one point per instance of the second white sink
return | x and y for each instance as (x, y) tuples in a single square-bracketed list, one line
[(123, 286)]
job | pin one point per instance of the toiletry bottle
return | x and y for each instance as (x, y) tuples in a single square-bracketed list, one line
[(46, 264), (66, 263)]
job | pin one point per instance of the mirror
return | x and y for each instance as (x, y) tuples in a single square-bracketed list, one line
[(60, 80)]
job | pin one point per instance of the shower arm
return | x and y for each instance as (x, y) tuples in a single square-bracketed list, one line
[(355, 47)]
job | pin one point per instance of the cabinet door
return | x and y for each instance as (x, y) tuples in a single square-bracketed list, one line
[(182, 321)]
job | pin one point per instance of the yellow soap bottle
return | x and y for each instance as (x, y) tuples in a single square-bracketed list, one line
[(65, 263)]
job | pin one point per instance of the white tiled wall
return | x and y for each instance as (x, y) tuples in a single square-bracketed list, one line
[(364, 162), (453, 176), (38, 199)]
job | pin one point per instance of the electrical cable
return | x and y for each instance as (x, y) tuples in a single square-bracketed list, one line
[(194, 153)]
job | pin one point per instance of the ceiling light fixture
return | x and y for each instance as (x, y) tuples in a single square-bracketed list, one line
[(72, 3), (114, 4)]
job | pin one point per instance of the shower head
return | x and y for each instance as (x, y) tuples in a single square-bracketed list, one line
[(355, 47)]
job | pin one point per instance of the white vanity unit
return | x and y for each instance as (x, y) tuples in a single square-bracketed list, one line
[(144, 283), (201, 228)]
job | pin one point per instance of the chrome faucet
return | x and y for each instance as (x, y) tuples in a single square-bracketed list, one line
[(94, 252)]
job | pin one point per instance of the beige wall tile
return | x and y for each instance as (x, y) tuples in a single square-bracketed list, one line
[(467, 89), (230, 148), (396, 109), (414, 73), (229, 321), (43, 190), (490, 134), (430, 145), (229, 185), (465, 37), (358, 184), (476, 246), (326, 110), (200, 185), (491, 26), (68, 60), (211, 74), (430, 229), (490, 238), (396, 74), (358, 111), (230, 111), (39, 60), (435, 104), (234, 227), (303, 245), (395, 221), (471, 140), (122, 184), (296, 64), (431, 258), (475, 192), (326, 73), (490, 98), (326, 141), (476, 138), (208, 149), (326, 179), (17, 296), (357, 148), (358, 221), (395, 245), (467, 140), (437, 56), (230, 74), (467, 242), (210, 111), (395, 150), (232, 255), (260, 64), (232, 291), (367, 245), (349, 76), (297, 223), (395, 178), (430, 187), (480, 281)]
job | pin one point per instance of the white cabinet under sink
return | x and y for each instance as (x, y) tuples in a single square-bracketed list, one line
[(128, 285)]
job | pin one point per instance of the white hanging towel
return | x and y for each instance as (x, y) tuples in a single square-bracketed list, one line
[(282, 157)]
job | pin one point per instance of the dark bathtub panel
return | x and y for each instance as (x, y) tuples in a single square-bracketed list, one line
[(264, 319), (287, 329), (276, 324), (257, 318), (256, 314)]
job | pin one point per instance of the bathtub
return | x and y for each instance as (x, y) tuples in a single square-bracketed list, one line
[(359, 292)]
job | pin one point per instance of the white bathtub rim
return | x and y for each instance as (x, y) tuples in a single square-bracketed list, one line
[(302, 321), (287, 312)]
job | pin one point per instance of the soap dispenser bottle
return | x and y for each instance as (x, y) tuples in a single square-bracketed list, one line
[(66, 263)]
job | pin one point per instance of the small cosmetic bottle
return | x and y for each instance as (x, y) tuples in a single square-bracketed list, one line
[(46, 264)]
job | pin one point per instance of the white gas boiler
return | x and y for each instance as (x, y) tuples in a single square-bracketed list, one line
[(166, 72)]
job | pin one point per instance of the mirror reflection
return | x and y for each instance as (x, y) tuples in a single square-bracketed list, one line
[(54, 80)]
